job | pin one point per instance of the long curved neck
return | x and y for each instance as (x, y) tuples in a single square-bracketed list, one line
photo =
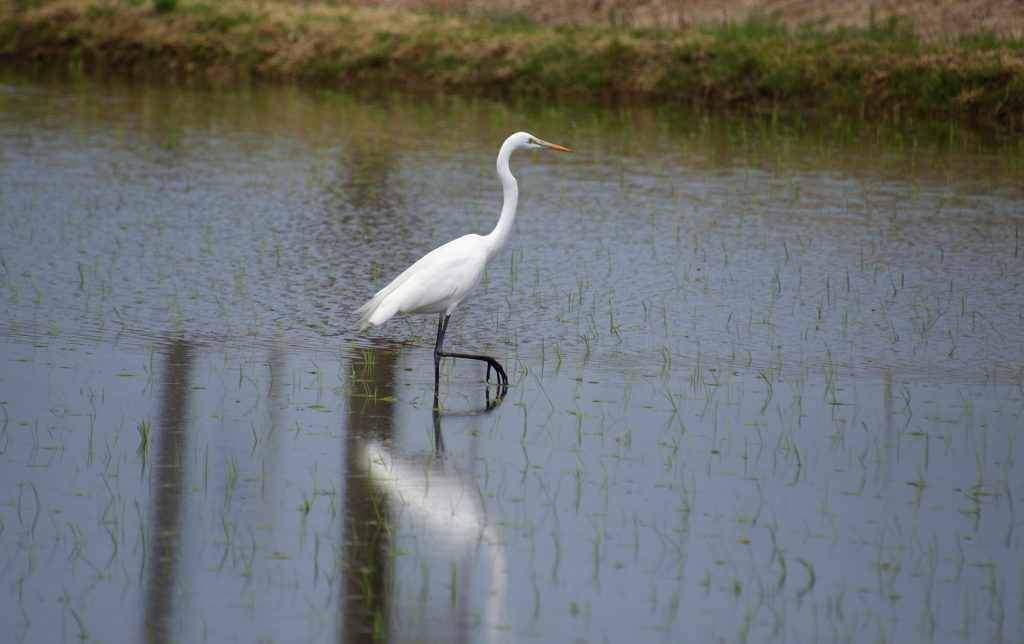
[(497, 238)]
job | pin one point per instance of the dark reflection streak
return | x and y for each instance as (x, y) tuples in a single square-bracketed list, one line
[(365, 540), (367, 182), (365, 200), (165, 517), (275, 395), (888, 384)]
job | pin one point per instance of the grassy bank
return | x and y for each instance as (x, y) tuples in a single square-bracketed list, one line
[(759, 62)]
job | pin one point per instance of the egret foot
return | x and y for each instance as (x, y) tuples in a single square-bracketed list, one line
[(439, 352)]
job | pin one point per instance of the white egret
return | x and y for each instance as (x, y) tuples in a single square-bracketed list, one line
[(443, 278)]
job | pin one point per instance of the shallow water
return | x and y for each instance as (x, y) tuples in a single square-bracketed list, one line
[(766, 374)]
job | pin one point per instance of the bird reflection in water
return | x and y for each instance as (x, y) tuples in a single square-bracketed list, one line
[(422, 561)]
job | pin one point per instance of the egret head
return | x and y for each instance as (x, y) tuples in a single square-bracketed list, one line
[(524, 141)]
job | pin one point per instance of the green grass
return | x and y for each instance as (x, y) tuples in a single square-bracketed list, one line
[(758, 62)]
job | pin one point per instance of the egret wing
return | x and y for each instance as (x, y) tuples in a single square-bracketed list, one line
[(437, 283)]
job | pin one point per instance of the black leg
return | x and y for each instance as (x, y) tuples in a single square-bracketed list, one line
[(439, 352), (489, 405), (442, 326)]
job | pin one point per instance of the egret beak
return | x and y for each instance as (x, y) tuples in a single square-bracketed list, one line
[(552, 146)]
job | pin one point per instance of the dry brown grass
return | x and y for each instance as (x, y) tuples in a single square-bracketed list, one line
[(930, 18), (749, 64)]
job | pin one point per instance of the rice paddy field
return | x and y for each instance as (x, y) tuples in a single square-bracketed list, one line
[(767, 373)]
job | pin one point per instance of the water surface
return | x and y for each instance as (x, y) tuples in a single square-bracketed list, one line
[(766, 374)]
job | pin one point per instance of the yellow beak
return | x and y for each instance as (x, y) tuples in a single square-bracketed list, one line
[(552, 146)]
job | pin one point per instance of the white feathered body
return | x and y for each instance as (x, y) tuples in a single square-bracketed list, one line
[(437, 283)]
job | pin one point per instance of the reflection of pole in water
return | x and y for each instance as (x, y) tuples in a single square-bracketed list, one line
[(171, 441), (371, 408), (369, 181), (272, 450)]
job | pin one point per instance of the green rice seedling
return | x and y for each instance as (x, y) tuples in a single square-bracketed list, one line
[(83, 633), (143, 449), (811, 578)]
